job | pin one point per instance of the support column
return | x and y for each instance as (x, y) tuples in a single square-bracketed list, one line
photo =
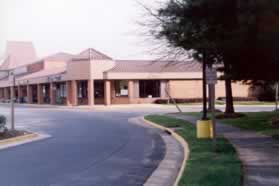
[(29, 94), (131, 91), (113, 91), (74, 93), (107, 92), (69, 93), (40, 94), (90, 89), (6, 93)]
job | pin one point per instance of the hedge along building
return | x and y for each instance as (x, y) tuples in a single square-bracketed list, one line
[(93, 78)]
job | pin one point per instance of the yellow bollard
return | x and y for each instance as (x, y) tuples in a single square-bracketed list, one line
[(204, 129)]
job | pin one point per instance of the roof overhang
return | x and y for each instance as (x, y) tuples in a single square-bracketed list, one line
[(162, 75)]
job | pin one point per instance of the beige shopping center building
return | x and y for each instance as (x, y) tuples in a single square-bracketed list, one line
[(93, 78)]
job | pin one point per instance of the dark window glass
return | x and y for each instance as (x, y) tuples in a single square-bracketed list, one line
[(150, 89), (82, 89), (99, 89), (61, 90)]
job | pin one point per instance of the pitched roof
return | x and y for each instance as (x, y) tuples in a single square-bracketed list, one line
[(18, 54), (156, 66), (91, 54)]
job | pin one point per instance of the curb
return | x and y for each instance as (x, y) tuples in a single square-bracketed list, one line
[(21, 140), (183, 143), (17, 139)]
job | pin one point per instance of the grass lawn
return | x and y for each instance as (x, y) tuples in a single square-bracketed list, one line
[(256, 121), (205, 167), (259, 122), (254, 103), (247, 103), (235, 103)]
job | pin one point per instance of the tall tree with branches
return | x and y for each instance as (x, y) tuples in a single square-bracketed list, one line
[(217, 31)]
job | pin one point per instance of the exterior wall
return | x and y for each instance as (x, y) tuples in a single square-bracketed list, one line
[(179, 84), (83, 70), (55, 64), (144, 100), (99, 67), (35, 67), (238, 89), (193, 89), (134, 98), (120, 100), (185, 88), (78, 70), (154, 76)]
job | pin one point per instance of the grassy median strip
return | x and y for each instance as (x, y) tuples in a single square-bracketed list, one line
[(205, 166)]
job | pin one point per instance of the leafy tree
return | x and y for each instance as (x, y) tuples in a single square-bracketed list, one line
[(238, 34)]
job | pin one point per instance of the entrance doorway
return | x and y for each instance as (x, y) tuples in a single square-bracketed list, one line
[(34, 92), (82, 87), (99, 92), (46, 93), (61, 93)]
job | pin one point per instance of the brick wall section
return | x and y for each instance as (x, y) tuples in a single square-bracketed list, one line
[(35, 67), (121, 100), (193, 89)]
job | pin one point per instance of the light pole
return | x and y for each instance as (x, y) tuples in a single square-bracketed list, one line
[(276, 96), (12, 101)]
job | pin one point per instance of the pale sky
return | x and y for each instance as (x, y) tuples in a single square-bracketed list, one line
[(74, 25)]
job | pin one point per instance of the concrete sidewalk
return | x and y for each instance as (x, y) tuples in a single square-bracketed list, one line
[(259, 153)]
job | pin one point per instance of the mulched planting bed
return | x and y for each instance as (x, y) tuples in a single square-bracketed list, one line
[(12, 134), (230, 116)]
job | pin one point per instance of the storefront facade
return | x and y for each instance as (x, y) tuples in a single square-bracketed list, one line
[(92, 78)]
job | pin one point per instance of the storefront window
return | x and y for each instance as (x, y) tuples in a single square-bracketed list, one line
[(82, 89), (99, 89), (150, 89), (61, 90), (121, 88)]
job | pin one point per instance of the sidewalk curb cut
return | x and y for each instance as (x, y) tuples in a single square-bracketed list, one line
[(183, 143)]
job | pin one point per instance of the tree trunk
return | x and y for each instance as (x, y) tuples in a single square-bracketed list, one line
[(229, 97), (204, 88)]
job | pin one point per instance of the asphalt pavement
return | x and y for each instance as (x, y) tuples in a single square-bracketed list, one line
[(87, 147)]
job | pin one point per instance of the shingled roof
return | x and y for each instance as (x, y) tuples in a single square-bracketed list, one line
[(18, 54), (91, 54), (156, 66), (43, 73)]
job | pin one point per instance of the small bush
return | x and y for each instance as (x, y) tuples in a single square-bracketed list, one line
[(3, 121), (230, 116), (275, 122), (199, 100), (179, 100), (239, 99)]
